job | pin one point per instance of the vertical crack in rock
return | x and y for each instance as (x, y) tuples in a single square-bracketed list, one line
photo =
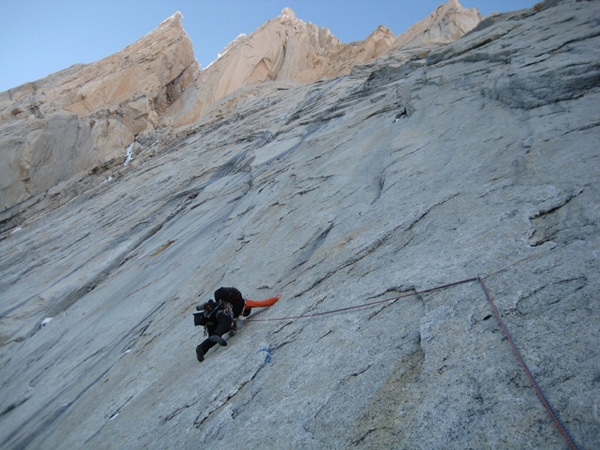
[(430, 208), (178, 410)]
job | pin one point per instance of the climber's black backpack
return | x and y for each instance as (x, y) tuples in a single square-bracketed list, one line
[(232, 296)]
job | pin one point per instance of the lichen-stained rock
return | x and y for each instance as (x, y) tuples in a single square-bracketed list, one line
[(353, 196)]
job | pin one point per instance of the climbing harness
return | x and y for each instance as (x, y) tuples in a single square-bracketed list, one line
[(561, 427)]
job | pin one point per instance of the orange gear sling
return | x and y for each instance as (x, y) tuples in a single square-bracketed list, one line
[(262, 303)]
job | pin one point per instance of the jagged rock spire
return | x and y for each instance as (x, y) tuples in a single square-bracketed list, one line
[(287, 13)]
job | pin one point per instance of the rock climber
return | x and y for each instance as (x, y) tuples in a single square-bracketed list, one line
[(219, 316), (217, 319)]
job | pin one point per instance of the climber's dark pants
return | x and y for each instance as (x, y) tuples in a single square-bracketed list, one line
[(223, 325)]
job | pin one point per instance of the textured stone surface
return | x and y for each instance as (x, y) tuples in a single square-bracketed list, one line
[(82, 121), (446, 24), (401, 176), (289, 49)]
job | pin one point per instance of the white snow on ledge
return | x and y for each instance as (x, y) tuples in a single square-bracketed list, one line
[(129, 154)]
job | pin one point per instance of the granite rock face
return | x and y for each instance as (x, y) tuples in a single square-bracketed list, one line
[(81, 121), (289, 49), (447, 23), (477, 159), (71, 128)]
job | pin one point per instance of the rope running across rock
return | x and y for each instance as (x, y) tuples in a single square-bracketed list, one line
[(561, 427)]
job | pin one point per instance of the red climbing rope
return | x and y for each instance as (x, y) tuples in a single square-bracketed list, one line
[(553, 415), (555, 418), (364, 305)]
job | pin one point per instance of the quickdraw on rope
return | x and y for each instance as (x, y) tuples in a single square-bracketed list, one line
[(561, 427)]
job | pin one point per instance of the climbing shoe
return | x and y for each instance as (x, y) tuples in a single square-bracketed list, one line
[(199, 353)]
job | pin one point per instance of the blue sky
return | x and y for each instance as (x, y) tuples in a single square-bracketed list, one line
[(40, 37)]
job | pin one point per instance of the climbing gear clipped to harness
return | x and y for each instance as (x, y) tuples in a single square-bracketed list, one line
[(228, 309), (232, 296), (211, 309)]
